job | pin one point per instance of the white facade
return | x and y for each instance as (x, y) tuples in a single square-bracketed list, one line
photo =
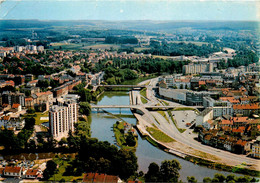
[(173, 94), (197, 68), (256, 149), (63, 117), (40, 48), (222, 110), (204, 116)]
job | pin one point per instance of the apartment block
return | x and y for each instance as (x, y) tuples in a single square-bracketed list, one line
[(63, 115)]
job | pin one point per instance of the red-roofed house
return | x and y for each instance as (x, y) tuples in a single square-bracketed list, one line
[(101, 178), (29, 102), (32, 83), (32, 173), (209, 124), (10, 171), (202, 83), (245, 109), (16, 107), (43, 97)]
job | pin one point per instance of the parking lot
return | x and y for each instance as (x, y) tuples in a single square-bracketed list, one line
[(183, 117)]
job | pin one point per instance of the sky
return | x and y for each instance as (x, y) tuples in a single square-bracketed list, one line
[(176, 10)]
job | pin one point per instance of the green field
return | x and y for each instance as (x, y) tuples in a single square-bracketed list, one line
[(141, 49), (144, 101), (59, 174), (67, 46), (102, 46), (81, 46), (37, 116), (192, 42), (159, 135)]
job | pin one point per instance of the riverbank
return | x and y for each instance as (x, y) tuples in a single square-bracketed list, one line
[(187, 153), (125, 135)]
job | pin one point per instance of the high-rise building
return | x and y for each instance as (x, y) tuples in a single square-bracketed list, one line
[(63, 115)]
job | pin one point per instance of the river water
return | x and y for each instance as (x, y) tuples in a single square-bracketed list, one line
[(101, 127)]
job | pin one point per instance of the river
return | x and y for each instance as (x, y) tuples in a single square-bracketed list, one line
[(101, 127)]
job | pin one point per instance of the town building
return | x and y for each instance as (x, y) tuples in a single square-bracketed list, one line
[(256, 148), (13, 122), (205, 115), (197, 68), (100, 177), (13, 98), (63, 115), (10, 171)]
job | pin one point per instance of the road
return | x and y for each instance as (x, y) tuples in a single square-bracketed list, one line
[(186, 138)]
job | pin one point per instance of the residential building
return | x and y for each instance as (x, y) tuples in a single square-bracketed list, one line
[(219, 111), (12, 122), (209, 124), (197, 68), (205, 115), (13, 98), (10, 171), (99, 177), (65, 88), (32, 173), (246, 109), (256, 149), (63, 115)]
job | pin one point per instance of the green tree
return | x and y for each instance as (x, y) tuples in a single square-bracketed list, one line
[(170, 170), (51, 167), (153, 174), (85, 108), (191, 179), (230, 177), (215, 180), (29, 123), (220, 177), (130, 139), (207, 180)]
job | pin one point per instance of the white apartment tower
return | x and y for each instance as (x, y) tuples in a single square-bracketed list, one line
[(63, 116)]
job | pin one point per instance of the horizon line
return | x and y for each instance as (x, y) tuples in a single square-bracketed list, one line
[(132, 20)]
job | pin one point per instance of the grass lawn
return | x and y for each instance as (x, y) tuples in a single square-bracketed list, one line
[(103, 46), (159, 135), (141, 48), (62, 167), (144, 101), (65, 46), (143, 92), (37, 116)]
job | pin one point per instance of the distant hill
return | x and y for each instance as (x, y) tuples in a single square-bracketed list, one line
[(166, 26)]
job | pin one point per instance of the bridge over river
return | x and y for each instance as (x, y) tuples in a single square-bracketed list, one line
[(144, 106), (123, 86)]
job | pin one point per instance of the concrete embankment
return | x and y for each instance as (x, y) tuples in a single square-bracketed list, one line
[(142, 124)]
